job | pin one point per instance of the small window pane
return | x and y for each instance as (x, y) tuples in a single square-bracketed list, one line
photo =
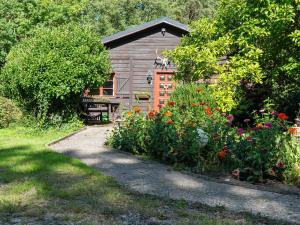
[(169, 93), (161, 85), (162, 77), (170, 77), (94, 91), (161, 101), (170, 86), (108, 92), (161, 93), (108, 84)]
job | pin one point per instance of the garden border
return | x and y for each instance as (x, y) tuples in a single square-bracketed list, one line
[(216, 179)]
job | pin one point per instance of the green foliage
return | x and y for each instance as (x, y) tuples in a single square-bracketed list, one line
[(260, 40), (131, 135), (19, 18), (192, 131), (172, 135), (265, 148), (47, 73), (9, 112)]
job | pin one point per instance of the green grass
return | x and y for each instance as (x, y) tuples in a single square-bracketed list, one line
[(44, 187)]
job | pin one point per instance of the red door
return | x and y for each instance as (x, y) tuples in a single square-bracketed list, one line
[(163, 87)]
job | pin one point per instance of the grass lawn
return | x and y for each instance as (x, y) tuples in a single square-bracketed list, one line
[(38, 186)]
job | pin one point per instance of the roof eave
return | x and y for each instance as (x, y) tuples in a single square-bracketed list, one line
[(139, 28)]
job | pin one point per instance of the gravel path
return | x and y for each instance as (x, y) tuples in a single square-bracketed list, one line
[(157, 179)]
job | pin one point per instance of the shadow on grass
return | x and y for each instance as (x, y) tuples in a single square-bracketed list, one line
[(42, 180), (64, 184)]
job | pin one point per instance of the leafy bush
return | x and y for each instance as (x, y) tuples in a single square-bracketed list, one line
[(47, 73), (192, 131), (131, 135), (179, 132), (9, 112), (266, 149), (260, 40)]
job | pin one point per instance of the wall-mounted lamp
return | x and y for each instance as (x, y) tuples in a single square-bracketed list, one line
[(163, 31), (149, 77)]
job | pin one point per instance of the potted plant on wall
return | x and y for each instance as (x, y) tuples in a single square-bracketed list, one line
[(142, 95)]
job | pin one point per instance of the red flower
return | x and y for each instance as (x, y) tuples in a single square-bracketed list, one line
[(217, 109), (279, 165), (282, 116), (172, 104), (202, 103), (249, 138), (170, 122), (151, 114), (222, 154), (208, 111)]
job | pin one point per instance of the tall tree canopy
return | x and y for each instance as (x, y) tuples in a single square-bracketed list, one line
[(261, 42), (19, 17)]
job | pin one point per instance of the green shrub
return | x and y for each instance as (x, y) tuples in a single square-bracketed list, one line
[(191, 131), (265, 148), (131, 135), (172, 135), (46, 74), (9, 112)]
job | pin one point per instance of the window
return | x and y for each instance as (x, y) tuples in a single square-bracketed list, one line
[(94, 91), (108, 89)]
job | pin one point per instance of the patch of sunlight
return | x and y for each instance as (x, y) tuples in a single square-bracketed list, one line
[(183, 181), (125, 161)]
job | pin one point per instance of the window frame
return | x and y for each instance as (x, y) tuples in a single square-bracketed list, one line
[(102, 88)]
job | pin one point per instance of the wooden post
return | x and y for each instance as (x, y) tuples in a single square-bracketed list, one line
[(131, 81)]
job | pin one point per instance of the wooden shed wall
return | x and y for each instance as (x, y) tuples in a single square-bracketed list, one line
[(132, 58)]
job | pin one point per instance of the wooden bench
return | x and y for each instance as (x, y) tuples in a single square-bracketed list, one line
[(95, 110)]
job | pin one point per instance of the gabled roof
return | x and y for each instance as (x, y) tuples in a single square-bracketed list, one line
[(136, 29)]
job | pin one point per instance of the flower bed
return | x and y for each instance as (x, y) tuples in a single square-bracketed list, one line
[(192, 131)]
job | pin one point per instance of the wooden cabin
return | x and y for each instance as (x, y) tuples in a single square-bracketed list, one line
[(141, 75)]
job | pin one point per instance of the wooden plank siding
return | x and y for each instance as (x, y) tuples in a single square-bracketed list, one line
[(132, 59)]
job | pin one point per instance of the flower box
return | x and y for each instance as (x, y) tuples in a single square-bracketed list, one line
[(142, 95)]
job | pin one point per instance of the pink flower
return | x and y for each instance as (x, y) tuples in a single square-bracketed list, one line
[(268, 125), (236, 173), (223, 114), (249, 138), (246, 120), (274, 113), (240, 131), (230, 118)]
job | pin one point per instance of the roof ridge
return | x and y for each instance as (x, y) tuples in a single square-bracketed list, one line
[(146, 25)]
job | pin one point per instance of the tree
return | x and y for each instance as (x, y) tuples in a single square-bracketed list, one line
[(18, 18), (261, 42), (47, 73)]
